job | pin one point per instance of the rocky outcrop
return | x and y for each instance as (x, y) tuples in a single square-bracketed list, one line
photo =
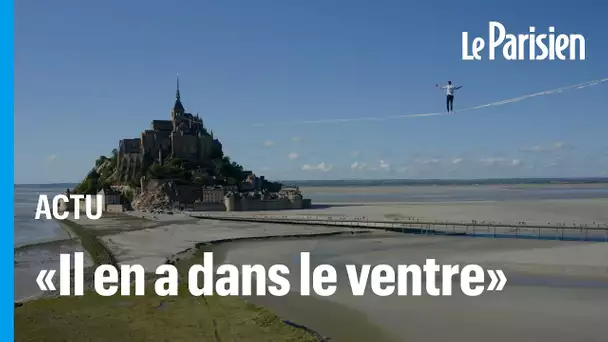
[(154, 197)]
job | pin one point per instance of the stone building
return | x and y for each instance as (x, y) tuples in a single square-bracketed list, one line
[(111, 200), (184, 137), (213, 195), (252, 182), (234, 202)]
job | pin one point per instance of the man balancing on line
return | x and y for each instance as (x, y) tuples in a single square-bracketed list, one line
[(450, 92)]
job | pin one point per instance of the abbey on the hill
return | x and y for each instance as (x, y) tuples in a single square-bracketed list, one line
[(183, 137)]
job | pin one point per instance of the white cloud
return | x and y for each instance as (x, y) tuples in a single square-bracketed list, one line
[(319, 167), (428, 161), (492, 160), (296, 139), (268, 143), (384, 165), (497, 161), (51, 158), (546, 147), (292, 156), (457, 160), (358, 166)]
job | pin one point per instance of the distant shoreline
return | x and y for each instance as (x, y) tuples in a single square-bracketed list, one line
[(430, 188), (446, 182), (408, 182)]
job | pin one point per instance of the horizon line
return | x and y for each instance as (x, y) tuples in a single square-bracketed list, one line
[(399, 179)]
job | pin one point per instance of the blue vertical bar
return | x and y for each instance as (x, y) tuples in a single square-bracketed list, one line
[(7, 148)]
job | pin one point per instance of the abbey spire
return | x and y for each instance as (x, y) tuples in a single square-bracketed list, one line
[(178, 108)]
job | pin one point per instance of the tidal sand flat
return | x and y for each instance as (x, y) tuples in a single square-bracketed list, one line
[(29, 260), (471, 192), (38, 243), (173, 234), (542, 301), (589, 212), (544, 276), (126, 239)]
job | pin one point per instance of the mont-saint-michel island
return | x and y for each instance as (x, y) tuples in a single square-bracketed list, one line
[(178, 164), (344, 171)]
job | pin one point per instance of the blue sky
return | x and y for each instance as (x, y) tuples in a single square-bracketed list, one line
[(90, 73)]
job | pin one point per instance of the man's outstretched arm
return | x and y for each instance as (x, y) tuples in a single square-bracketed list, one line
[(457, 87)]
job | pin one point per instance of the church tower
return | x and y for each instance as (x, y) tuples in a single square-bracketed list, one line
[(178, 108)]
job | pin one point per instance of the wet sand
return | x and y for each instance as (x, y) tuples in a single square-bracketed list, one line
[(569, 212), (29, 260), (525, 311), (556, 291)]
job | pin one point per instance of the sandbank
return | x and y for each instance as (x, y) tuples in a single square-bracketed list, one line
[(151, 243), (556, 291), (152, 239), (542, 212)]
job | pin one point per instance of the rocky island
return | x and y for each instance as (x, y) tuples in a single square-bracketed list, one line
[(178, 164)]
